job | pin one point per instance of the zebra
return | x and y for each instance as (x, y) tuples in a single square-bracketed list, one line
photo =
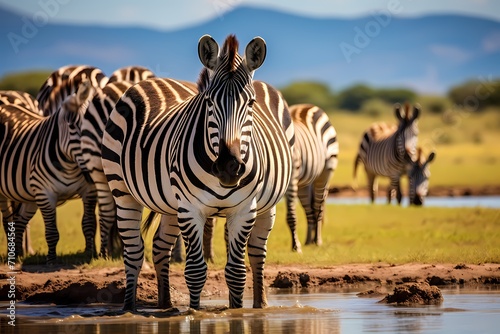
[(94, 122), (386, 151), (132, 74), (226, 151), (418, 175), (65, 81), (19, 98), (315, 160), (40, 167)]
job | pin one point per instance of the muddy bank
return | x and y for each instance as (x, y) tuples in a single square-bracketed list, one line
[(72, 286)]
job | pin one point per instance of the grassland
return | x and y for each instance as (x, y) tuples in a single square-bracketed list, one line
[(351, 234), (466, 145), (467, 155)]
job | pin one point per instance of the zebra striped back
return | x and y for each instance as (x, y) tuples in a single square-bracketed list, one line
[(315, 159), (132, 74), (386, 150), (418, 175), (64, 82), (41, 163), (225, 151), (19, 98)]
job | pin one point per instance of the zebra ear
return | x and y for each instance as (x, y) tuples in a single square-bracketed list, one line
[(208, 51), (255, 53), (416, 112), (397, 111), (431, 157)]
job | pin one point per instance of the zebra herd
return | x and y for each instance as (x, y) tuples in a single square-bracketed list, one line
[(226, 146)]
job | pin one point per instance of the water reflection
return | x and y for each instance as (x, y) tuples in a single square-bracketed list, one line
[(340, 312)]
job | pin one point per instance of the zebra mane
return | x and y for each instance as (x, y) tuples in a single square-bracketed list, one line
[(203, 80), (407, 111), (230, 50)]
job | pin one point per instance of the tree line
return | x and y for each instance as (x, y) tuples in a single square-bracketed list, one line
[(474, 95)]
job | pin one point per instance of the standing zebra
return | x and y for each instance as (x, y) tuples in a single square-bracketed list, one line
[(315, 159), (386, 151), (225, 151), (40, 166), (94, 122), (418, 175), (64, 82)]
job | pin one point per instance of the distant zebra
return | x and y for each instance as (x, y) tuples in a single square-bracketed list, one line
[(94, 122), (315, 159), (386, 151), (225, 151), (64, 82), (40, 167), (418, 175)]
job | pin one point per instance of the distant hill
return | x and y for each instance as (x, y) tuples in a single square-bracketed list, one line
[(428, 54)]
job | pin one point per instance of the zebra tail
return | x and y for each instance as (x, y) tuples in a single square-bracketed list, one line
[(115, 242), (354, 184), (148, 222)]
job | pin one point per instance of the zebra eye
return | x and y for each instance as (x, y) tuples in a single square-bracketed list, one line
[(250, 103)]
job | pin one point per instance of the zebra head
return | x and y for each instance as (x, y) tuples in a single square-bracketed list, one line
[(229, 95), (70, 124), (419, 174), (407, 130)]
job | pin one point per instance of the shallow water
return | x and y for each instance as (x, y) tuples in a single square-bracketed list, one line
[(463, 311)]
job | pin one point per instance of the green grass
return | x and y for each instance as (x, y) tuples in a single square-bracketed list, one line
[(351, 234)]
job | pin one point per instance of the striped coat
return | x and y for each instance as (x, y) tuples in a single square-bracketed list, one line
[(387, 150), (41, 167), (225, 151), (315, 159)]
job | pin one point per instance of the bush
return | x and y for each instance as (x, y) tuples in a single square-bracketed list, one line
[(376, 107), (29, 82), (476, 95), (309, 92)]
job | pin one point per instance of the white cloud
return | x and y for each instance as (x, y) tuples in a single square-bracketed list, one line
[(451, 53)]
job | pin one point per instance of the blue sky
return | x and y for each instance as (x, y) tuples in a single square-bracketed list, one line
[(170, 15)]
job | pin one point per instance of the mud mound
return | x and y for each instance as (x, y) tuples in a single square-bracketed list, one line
[(81, 292), (414, 294), (291, 280)]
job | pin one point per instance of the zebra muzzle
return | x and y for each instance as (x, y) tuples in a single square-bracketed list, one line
[(228, 171)]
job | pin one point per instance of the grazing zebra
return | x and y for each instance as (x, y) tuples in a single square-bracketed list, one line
[(94, 122), (315, 159), (386, 151), (40, 167), (226, 151), (418, 175), (64, 82)]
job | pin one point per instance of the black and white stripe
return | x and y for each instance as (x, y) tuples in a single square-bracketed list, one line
[(418, 175), (386, 151), (93, 126), (225, 151), (64, 82), (315, 160), (41, 166)]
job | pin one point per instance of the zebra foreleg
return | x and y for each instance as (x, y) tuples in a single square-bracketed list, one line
[(167, 234), (195, 272), (129, 215), (257, 252), (372, 186), (47, 205), (239, 226), (320, 193)]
